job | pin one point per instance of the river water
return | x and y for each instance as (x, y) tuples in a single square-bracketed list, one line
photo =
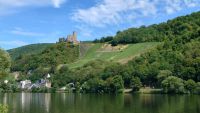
[(94, 103)]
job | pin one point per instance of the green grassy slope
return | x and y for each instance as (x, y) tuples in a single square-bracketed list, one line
[(117, 56), (29, 49), (87, 51)]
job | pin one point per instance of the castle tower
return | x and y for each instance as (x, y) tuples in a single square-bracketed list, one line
[(74, 36), (69, 38)]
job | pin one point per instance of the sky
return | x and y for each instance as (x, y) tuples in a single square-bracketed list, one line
[(24, 22)]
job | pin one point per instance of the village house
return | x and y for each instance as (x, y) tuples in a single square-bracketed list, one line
[(42, 83), (25, 84)]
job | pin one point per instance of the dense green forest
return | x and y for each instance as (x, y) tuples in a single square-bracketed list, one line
[(174, 65), (29, 49), (161, 32), (5, 63), (51, 56)]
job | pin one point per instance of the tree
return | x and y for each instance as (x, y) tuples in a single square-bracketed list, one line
[(198, 88), (115, 84), (190, 85), (163, 74), (136, 83), (114, 43), (118, 82), (62, 77), (94, 85), (173, 84), (3, 108), (5, 63)]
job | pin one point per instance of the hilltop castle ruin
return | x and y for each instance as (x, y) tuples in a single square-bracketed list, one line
[(70, 39)]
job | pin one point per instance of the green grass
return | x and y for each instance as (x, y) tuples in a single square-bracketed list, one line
[(117, 56)]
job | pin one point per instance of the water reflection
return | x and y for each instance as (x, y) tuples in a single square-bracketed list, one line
[(47, 102), (5, 98), (91, 103), (25, 101)]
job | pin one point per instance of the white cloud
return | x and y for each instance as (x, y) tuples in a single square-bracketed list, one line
[(10, 5), (109, 12), (20, 31), (57, 3), (84, 31)]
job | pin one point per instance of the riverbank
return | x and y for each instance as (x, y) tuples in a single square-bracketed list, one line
[(150, 91), (145, 91)]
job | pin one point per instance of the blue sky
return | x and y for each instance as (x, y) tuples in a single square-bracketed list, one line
[(25, 22)]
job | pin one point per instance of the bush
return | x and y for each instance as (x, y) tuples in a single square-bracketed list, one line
[(3, 108), (163, 74), (173, 84), (197, 89), (190, 86), (136, 84), (115, 84), (114, 43), (94, 85)]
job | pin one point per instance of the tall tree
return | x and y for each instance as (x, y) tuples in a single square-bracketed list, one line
[(5, 63)]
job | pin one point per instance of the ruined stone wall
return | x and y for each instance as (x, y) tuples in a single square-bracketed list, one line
[(70, 38)]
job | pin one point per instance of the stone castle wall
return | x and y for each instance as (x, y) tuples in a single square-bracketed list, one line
[(70, 39)]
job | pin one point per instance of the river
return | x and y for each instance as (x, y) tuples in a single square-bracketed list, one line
[(94, 103)]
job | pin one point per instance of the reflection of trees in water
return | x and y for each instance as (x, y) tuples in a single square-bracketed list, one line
[(93, 103), (90, 103), (141, 103), (149, 103), (181, 104), (128, 100)]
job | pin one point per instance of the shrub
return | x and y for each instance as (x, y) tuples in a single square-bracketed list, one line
[(190, 85), (197, 89), (136, 84), (173, 84), (3, 108)]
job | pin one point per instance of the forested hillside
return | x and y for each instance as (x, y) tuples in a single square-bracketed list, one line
[(165, 31), (173, 65), (51, 56), (29, 49), (179, 57)]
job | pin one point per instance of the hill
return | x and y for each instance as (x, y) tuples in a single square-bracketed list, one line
[(172, 65), (164, 56), (53, 55), (76, 56), (120, 53), (157, 32), (28, 49)]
